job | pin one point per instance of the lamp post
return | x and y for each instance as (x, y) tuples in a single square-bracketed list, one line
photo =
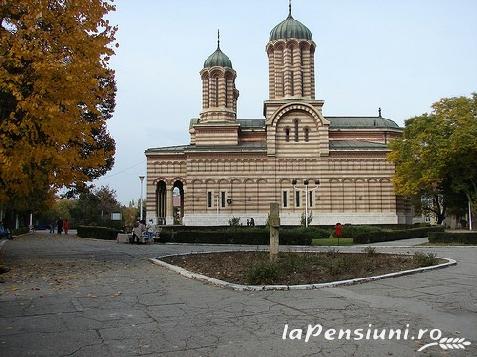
[(306, 183), (141, 178)]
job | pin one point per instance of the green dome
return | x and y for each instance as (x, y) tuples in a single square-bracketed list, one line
[(290, 28), (218, 58)]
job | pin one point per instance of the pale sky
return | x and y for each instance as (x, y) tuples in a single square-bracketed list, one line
[(401, 55)]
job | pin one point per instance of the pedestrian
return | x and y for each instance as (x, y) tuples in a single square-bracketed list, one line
[(59, 224), (52, 227), (252, 222), (66, 225)]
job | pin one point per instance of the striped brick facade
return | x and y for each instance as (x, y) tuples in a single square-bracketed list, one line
[(236, 167)]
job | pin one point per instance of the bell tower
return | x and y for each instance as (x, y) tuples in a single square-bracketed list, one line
[(291, 63), (217, 122), (219, 95)]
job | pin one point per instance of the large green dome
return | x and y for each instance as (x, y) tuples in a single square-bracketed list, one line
[(290, 28), (218, 58)]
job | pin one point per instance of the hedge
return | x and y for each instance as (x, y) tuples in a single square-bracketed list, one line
[(97, 232), (252, 236), (386, 236), (449, 237), (20, 231)]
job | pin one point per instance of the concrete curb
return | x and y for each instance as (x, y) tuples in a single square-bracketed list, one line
[(239, 287)]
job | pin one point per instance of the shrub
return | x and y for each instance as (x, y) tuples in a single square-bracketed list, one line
[(264, 272), (425, 260), (386, 236), (20, 231), (450, 237), (253, 236), (97, 232), (234, 221), (350, 231)]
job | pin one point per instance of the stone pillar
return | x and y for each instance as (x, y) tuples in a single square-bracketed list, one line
[(271, 74), (212, 92), (274, 222), (278, 59), (287, 72), (169, 207), (306, 72), (297, 72), (312, 72), (205, 92), (230, 92), (222, 84)]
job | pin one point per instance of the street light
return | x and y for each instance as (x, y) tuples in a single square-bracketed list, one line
[(142, 179), (306, 183)]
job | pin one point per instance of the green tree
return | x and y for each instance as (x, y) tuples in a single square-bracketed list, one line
[(436, 155), (94, 207), (56, 94)]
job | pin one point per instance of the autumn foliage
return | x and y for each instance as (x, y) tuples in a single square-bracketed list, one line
[(56, 93)]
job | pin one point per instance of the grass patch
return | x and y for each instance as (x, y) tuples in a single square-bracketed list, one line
[(332, 241)]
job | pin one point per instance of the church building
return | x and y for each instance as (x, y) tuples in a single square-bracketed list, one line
[(331, 169)]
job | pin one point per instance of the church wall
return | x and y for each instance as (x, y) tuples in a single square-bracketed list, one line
[(294, 144), (354, 188)]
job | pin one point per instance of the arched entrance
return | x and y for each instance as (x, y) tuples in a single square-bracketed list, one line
[(161, 202), (178, 201)]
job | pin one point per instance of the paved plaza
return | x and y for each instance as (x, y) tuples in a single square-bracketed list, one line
[(67, 296)]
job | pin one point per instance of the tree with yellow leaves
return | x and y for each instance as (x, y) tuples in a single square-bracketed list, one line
[(56, 93)]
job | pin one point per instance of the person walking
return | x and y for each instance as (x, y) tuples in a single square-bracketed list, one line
[(60, 225), (66, 225), (52, 227)]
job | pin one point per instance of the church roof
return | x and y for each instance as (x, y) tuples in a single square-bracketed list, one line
[(347, 122), (361, 122), (355, 145), (290, 28), (242, 147), (218, 58)]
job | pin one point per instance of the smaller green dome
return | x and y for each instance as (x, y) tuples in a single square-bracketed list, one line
[(290, 28), (218, 58)]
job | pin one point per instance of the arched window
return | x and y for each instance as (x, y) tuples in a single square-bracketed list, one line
[(296, 130), (307, 134), (287, 134)]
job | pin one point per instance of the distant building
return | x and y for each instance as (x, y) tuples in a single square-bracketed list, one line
[(236, 167)]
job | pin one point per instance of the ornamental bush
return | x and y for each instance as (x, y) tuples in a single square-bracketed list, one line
[(452, 237), (252, 236), (97, 232), (386, 236)]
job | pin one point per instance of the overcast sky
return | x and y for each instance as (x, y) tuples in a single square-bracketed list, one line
[(401, 55)]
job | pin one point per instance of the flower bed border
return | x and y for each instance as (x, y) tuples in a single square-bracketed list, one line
[(240, 287)]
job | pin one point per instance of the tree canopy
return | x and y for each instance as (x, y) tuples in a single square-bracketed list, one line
[(437, 155), (56, 93)]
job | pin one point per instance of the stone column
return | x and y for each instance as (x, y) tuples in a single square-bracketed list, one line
[(271, 74), (169, 207), (312, 70), (222, 84), (287, 73), (205, 92), (278, 59), (274, 222), (297, 70), (306, 72)]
